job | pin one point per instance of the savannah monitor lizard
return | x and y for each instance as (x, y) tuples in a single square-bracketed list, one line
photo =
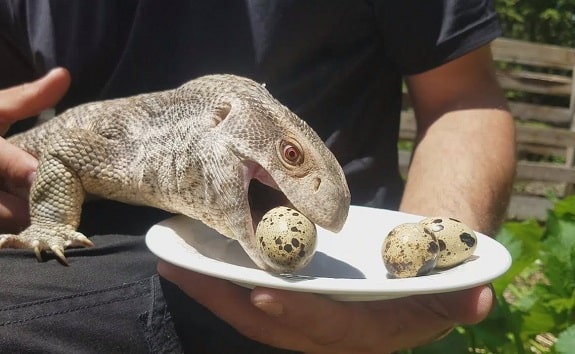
[(193, 150)]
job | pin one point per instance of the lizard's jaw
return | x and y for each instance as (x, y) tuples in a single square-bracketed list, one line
[(262, 198), (263, 193)]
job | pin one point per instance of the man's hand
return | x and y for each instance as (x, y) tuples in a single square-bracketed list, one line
[(315, 324), (16, 166), (462, 117)]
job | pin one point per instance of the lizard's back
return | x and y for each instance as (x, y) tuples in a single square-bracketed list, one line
[(192, 150)]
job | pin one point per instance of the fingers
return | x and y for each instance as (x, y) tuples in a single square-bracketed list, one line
[(316, 324), (378, 326), (232, 304), (17, 167), (14, 215), (16, 173), (322, 325), (467, 306), (31, 98), (332, 326)]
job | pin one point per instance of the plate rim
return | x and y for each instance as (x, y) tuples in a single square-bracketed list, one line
[(340, 288)]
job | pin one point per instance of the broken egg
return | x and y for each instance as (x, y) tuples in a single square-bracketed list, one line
[(457, 241), (410, 250), (286, 239)]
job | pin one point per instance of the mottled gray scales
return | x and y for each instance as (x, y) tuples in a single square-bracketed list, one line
[(192, 150)]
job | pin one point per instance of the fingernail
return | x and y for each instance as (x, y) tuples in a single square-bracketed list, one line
[(31, 178), (272, 308), (488, 296)]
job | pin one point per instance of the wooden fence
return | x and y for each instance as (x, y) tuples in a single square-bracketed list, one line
[(545, 132)]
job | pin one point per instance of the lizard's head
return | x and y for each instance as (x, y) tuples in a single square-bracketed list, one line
[(285, 161), (279, 159), (300, 175)]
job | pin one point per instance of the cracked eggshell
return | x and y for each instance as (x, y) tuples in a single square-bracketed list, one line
[(286, 239), (457, 241), (409, 250)]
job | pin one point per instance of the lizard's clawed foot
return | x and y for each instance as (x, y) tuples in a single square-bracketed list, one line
[(52, 238)]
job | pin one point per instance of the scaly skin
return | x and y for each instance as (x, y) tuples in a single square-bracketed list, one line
[(192, 151)]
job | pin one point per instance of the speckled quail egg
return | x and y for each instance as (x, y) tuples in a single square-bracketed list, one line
[(286, 239), (457, 241), (409, 250)]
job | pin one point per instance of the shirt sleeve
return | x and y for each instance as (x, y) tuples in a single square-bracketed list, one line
[(15, 57), (422, 34)]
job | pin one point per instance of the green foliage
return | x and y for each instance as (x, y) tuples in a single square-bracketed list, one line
[(541, 21), (544, 21), (566, 341), (536, 295)]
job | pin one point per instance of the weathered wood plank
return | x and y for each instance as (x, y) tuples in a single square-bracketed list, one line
[(404, 158), (407, 125), (555, 85), (541, 113), (545, 171), (538, 54), (555, 137), (527, 111), (545, 136), (523, 207), (542, 150), (539, 171)]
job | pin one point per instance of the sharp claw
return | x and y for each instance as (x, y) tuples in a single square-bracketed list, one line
[(38, 253), (38, 243), (59, 254), (85, 241)]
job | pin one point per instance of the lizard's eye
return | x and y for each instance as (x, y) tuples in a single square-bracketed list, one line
[(291, 153)]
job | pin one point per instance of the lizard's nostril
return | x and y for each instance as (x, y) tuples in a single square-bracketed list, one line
[(316, 184)]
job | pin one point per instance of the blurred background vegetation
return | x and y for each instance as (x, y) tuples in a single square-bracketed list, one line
[(535, 308), (543, 21)]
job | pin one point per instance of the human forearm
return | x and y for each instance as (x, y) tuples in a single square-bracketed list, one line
[(463, 167)]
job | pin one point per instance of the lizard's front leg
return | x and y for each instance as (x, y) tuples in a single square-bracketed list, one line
[(56, 200)]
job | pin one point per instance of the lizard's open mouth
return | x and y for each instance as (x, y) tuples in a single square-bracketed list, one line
[(263, 198), (263, 193)]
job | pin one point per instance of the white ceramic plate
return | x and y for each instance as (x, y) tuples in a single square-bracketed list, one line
[(346, 266)]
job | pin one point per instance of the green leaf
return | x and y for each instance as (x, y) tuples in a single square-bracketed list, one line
[(565, 341), (565, 208), (560, 278), (538, 320), (550, 15), (523, 241), (526, 301), (492, 333), (560, 305), (560, 238), (455, 342)]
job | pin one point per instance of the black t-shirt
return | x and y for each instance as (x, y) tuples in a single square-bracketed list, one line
[(337, 63)]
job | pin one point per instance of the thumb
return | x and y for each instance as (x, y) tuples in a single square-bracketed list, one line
[(31, 98), (17, 167)]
